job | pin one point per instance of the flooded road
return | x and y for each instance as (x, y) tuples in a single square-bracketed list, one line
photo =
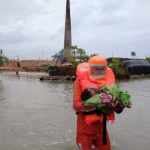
[(37, 115)]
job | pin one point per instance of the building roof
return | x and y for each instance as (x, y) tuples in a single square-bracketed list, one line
[(67, 64)]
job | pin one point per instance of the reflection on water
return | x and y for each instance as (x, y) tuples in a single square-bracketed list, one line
[(37, 115)]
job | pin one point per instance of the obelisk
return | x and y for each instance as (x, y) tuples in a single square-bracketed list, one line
[(67, 38)]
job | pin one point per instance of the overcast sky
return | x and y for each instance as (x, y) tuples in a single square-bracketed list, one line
[(106, 27)]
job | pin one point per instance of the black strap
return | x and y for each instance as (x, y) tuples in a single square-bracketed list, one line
[(104, 130)]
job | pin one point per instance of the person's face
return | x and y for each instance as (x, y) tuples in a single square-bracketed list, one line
[(98, 70), (92, 92)]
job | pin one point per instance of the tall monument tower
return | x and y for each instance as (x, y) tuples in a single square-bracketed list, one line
[(67, 39)]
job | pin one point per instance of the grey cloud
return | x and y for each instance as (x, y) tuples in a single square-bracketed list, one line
[(112, 6), (110, 20), (13, 37), (118, 26), (20, 10)]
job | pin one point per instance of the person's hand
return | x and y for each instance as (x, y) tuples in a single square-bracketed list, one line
[(129, 105)]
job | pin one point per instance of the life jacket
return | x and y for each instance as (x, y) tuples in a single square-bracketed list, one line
[(83, 76), (89, 79), (83, 73)]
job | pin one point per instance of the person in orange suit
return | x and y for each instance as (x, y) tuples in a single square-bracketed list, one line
[(90, 136)]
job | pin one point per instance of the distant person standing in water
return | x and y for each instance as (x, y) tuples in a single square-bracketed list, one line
[(18, 63)]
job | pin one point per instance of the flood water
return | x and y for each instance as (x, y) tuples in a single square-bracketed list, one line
[(36, 115)]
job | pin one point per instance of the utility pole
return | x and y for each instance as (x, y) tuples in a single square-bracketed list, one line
[(42, 55)]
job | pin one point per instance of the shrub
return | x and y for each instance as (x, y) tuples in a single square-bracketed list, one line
[(117, 67), (45, 67)]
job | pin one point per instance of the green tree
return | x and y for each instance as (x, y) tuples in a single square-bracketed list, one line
[(80, 54), (148, 59), (3, 58), (133, 54), (58, 56), (117, 67)]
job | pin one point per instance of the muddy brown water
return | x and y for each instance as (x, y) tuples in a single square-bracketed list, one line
[(37, 115)]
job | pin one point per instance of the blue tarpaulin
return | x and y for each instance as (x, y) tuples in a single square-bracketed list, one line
[(137, 66)]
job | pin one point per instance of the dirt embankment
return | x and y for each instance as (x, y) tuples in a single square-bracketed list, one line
[(28, 65)]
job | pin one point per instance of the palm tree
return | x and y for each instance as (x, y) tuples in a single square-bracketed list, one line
[(133, 54)]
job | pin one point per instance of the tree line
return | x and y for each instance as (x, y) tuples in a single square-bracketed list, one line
[(78, 55)]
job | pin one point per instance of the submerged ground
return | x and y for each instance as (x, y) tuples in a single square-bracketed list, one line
[(36, 115)]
